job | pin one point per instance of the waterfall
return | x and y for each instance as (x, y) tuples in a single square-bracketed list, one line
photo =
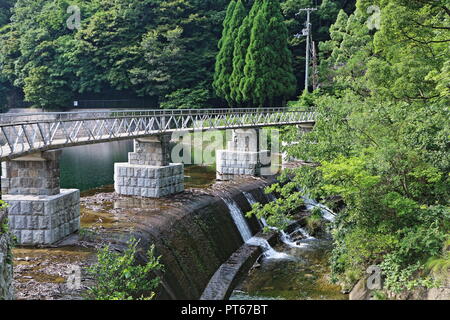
[(251, 200), (287, 238), (326, 213), (238, 218), (268, 251)]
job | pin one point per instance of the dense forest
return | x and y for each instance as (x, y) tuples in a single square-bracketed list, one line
[(138, 48), (379, 150)]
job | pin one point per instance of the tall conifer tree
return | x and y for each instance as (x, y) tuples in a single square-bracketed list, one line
[(242, 41), (268, 72), (224, 62)]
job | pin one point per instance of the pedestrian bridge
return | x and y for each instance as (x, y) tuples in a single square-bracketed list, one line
[(40, 212), (23, 134)]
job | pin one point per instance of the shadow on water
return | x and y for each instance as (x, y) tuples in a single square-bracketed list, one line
[(92, 166)]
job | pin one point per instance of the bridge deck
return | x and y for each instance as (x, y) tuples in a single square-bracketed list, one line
[(24, 134)]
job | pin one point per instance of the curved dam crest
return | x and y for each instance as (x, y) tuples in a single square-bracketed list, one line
[(194, 233)]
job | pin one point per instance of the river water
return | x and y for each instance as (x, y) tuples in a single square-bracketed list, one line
[(303, 275)]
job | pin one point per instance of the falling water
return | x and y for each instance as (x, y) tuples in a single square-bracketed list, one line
[(268, 251), (310, 203), (326, 213), (251, 200), (285, 238), (238, 218)]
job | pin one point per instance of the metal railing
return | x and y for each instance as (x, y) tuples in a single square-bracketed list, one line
[(22, 134)]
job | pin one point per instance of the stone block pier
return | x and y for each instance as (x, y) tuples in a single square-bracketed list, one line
[(243, 157), (39, 212), (148, 172)]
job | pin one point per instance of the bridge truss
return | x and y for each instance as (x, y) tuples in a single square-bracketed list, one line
[(22, 134)]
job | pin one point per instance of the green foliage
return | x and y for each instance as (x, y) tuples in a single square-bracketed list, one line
[(277, 213), (146, 47), (379, 150), (4, 227), (440, 265), (268, 72), (224, 62), (3, 205), (254, 65), (5, 11), (119, 278), (138, 47), (195, 98), (314, 222), (241, 45)]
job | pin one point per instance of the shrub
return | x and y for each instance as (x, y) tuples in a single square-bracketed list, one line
[(118, 277), (314, 222)]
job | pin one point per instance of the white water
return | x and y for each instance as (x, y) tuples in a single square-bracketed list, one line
[(268, 251), (326, 213), (238, 218), (286, 238), (251, 200)]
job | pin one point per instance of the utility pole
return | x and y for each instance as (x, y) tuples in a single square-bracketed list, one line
[(315, 76), (307, 32)]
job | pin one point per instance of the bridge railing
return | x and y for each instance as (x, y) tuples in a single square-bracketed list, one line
[(24, 134)]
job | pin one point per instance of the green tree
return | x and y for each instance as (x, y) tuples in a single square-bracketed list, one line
[(380, 141), (268, 72), (242, 41), (224, 62)]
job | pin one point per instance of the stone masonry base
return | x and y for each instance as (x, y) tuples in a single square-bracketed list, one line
[(148, 181), (230, 164), (43, 220)]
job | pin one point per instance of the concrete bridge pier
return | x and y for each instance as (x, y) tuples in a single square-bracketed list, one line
[(243, 156), (148, 172), (40, 213)]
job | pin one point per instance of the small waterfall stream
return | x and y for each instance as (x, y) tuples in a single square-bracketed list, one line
[(238, 218), (287, 238), (268, 251), (297, 268), (246, 234), (251, 200), (326, 213)]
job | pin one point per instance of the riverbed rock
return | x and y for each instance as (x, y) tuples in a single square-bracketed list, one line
[(360, 291), (439, 293)]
